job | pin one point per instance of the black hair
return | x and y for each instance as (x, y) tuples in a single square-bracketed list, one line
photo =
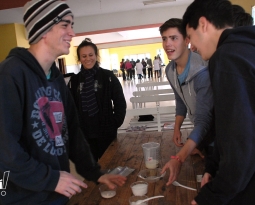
[(88, 42), (217, 12), (173, 23), (240, 17)]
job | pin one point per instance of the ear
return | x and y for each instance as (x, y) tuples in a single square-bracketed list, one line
[(203, 24), (187, 41)]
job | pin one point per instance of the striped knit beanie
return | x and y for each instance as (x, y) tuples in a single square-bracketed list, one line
[(41, 15)]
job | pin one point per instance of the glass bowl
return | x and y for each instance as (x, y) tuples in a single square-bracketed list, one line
[(106, 192), (134, 199), (151, 175)]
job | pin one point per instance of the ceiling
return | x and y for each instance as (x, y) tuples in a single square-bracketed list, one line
[(11, 11)]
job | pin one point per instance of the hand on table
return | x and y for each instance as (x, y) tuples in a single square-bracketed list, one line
[(112, 180), (206, 178), (196, 151), (174, 167), (177, 138), (69, 185), (193, 202)]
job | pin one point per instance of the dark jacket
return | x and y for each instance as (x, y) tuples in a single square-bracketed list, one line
[(110, 100), (39, 131), (232, 72)]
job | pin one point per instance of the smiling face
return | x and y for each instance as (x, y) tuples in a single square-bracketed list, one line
[(174, 44), (204, 38), (87, 57), (58, 39)]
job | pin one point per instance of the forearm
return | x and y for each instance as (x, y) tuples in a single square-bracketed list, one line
[(188, 147), (178, 122)]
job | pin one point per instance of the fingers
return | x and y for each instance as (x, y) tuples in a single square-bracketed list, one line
[(69, 185), (196, 151), (177, 140), (164, 168), (112, 180), (174, 167), (206, 178), (193, 202)]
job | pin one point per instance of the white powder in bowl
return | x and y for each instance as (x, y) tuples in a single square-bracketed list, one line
[(108, 194), (140, 189)]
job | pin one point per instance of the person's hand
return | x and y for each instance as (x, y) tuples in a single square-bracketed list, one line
[(112, 180), (206, 178), (177, 138), (174, 167), (69, 185), (196, 151), (193, 202)]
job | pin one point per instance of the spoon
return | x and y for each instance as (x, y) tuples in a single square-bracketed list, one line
[(175, 183), (141, 201)]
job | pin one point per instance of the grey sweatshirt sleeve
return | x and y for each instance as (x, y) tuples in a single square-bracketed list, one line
[(181, 108), (204, 107)]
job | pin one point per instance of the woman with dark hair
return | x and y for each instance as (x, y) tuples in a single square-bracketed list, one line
[(99, 98)]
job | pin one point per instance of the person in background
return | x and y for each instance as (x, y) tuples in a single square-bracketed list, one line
[(128, 67), (122, 68), (156, 66), (39, 124), (149, 65), (240, 17), (144, 67), (139, 69), (230, 172), (99, 98), (133, 67), (160, 65), (188, 76)]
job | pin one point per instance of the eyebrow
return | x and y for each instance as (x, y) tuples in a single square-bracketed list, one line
[(67, 21), (169, 36)]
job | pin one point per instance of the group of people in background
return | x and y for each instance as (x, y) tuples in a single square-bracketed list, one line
[(131, 68), (44, 123)]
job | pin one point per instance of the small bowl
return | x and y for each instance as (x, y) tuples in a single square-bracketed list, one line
[(139, 188), (106, 192), (151, 175), (134, 199)]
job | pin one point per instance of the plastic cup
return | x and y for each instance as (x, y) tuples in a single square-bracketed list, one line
[(139, 188), (151, 154), (107, 192), (134, 199)]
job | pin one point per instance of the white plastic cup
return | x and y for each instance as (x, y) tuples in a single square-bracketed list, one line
[(151, 154)]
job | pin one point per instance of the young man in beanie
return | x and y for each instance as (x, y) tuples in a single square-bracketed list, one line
[(39, 131), (230, 176)]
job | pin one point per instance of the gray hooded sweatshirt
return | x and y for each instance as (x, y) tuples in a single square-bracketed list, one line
[(194, 97)]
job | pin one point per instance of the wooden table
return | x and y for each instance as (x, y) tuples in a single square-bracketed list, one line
[(127, 151)]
